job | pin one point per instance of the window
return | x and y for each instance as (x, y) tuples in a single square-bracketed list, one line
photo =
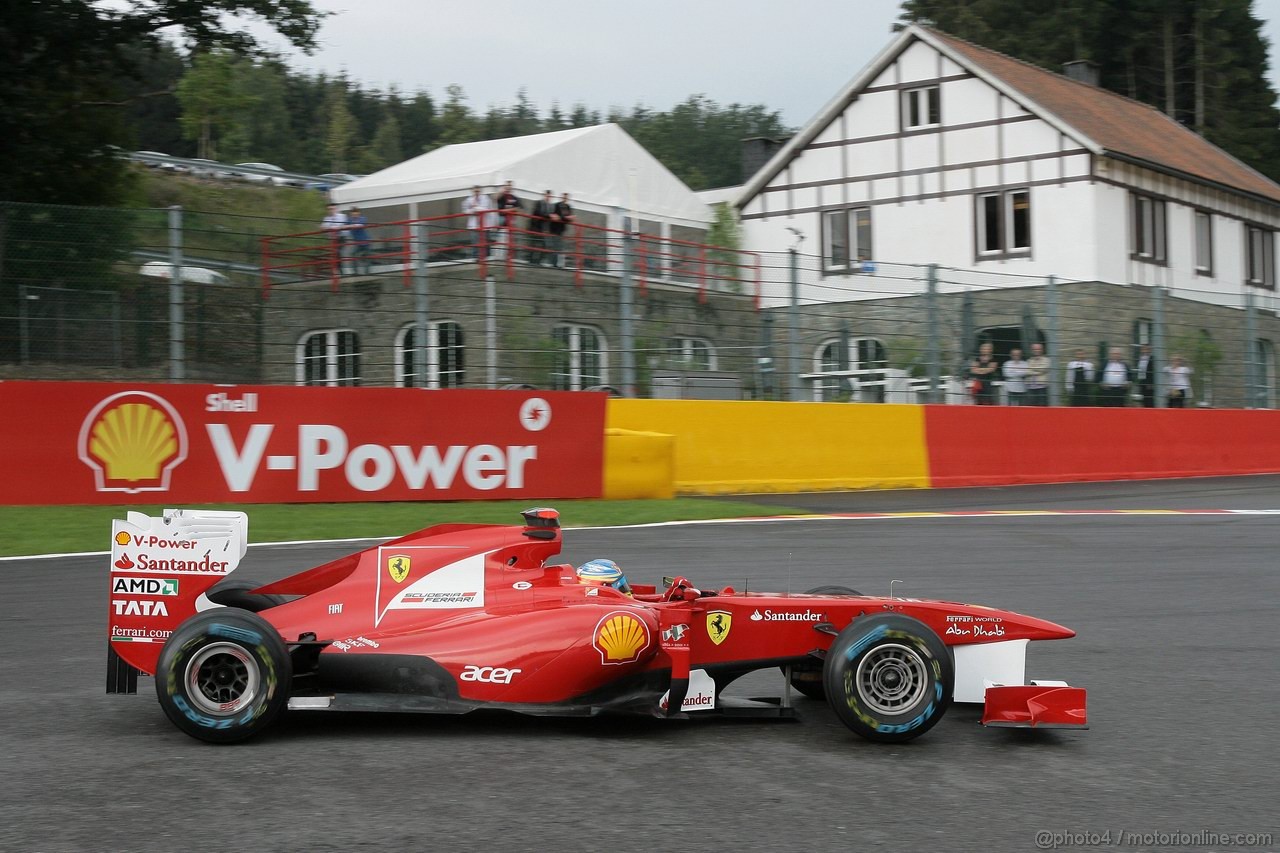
[(580, 358), (921, 107), (865, 358), (1204, 242), (1148, 230), (694, 353), (1260, 246), (445, 356), (846, 239), (329, 358), (1004, 223)]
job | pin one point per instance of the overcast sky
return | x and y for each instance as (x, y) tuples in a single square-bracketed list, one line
[(791, 56)]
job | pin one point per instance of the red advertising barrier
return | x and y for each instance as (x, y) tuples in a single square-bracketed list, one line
[(101, 443), (983, 446)]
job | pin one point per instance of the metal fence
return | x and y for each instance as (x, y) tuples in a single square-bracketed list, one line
[(172, 295)]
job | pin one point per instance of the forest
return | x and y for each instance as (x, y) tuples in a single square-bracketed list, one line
[(215, 92)]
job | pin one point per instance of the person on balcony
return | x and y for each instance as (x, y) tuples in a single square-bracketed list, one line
[(478, 208), (509, 206), (561, 219), (539, 225), (334, 225)]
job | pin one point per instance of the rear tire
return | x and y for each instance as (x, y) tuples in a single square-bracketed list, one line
[(806, 677), (224, 675), (888, 677)]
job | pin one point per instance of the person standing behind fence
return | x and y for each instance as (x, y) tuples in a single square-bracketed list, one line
[(1179, 383), (1113, 384), (509, 206), (1079, 379), (1015, 372), (561, 218), (1146, 377), (540, 224), (1038, 377), (358, 228), (476, 207), (334, 225), (982, 372)]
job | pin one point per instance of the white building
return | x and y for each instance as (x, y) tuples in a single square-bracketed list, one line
[(944, 152)]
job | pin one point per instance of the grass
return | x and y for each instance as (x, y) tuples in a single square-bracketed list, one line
[(26, 530)]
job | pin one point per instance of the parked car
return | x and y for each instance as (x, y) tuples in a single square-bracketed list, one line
[(330, 180), (203, 168), (170, 167), (256, 178), (195, 275)]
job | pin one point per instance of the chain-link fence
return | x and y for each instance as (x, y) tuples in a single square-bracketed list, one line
[(92, 294)]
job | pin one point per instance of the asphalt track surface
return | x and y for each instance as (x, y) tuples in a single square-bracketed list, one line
[(1177, 644)]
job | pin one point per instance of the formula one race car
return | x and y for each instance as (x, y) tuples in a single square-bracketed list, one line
[(460, 617)]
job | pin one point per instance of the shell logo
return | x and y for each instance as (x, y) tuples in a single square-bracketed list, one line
[(620, 638), (122, 538), (132, 441)]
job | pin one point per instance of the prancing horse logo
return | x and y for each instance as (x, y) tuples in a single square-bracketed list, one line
[(398, 567), (718, 624)]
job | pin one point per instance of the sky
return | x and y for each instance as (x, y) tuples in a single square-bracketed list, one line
[(792, 56)]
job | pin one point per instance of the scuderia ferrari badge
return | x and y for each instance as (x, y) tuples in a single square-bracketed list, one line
[(398, 566)]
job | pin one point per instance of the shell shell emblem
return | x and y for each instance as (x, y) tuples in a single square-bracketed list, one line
[(133, 441), (620, 638)]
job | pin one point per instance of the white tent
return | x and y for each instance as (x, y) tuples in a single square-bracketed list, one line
[(601, 167)]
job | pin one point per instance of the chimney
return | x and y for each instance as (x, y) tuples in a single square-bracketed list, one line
[(1082, 70), (756, 151)]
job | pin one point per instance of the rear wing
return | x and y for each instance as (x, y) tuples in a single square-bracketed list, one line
[(160, 569)]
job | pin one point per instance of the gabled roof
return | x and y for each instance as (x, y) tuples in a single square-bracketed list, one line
[(1102, 121), (600, 167)]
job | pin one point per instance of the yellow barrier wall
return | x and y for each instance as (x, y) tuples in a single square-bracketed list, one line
[(638, 465), (727, 447)]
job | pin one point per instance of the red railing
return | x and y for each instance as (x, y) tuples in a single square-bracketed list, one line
[(388, 249)]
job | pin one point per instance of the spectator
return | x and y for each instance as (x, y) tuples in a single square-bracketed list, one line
[(1117, 376), (1038, 377), (508, 206), (1146, 376), (478, 207), (539, 224), (1015, 372), (1079, 379), (561, 219), (358, 229), (334, 225), (1179, 383), (982, 376)]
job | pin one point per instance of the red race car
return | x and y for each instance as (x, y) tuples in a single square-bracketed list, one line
[(460, 617)]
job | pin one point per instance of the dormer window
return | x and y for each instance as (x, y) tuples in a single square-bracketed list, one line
[(921, 108)]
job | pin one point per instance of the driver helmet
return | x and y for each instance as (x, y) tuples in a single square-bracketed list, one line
[(602, 572)]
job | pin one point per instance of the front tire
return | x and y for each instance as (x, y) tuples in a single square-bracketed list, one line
[(888, 677), (224, 675)]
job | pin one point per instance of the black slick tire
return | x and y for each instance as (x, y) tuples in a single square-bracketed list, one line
[(888, 677), (224, 675)]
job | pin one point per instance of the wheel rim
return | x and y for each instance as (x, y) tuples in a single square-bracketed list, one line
[(892, 678), (222, 678)]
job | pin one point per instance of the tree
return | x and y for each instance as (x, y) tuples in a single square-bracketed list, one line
[(457, 124), (61, 91), (340, 132), (214, 101)]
